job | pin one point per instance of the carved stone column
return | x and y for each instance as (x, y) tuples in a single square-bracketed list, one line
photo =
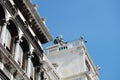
[(17, 54), (3, 32), (29, 63)]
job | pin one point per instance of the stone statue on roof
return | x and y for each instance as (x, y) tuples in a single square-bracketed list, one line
[(59, 40)]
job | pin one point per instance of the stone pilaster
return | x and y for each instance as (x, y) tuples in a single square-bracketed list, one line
[(17, 54), (29, 63), (3, 32)]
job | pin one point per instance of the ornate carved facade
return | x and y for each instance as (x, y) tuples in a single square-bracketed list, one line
[(22, 33)]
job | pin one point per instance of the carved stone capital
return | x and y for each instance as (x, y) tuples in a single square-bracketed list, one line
[(30, 55), (18, 39)]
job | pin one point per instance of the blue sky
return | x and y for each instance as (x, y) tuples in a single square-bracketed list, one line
[(98, 20)]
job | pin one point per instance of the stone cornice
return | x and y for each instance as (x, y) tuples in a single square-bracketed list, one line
[(34, 20)]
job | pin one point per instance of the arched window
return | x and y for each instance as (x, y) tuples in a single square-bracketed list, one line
[(2, 15), (35, 60), (36, 64), (2, 19), (11, 33), (24, 49)]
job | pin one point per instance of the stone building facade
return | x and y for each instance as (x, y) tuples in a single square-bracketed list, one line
[(71, 60), (22, 33)]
